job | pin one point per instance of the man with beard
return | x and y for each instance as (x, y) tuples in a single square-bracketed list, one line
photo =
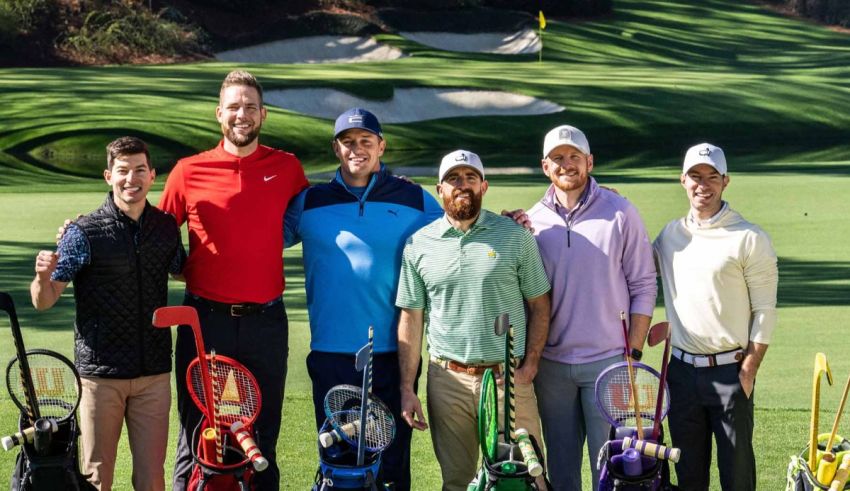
[(599, 260), (234, 198), (720, 278), (353, 229), (458, 274)]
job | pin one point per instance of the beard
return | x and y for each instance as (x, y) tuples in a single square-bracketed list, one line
[(577, 183), (240, 140), (463, 210)]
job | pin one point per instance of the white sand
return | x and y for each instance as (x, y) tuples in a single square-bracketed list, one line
[(410, 105), (521, 42), (314, 49)]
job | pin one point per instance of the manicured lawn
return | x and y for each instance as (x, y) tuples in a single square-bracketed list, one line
[(644, 84)]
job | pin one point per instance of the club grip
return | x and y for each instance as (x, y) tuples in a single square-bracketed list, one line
[(329, 438), (840, 479), (249, 446), (25, 436), (529, 456), (653, 449)]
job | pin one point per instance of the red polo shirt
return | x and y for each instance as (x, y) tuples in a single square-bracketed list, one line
[(234, 207)]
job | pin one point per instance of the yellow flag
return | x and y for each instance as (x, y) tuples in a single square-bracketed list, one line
[(542, 20)]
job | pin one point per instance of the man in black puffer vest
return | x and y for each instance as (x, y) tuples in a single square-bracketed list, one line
[(119, 257)]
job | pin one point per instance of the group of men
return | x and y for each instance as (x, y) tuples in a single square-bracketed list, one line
[(379, 251)]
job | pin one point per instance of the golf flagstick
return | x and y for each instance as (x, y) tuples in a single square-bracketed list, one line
[(828, 464), (821, 367), (654, 339), (635, 400), (363, 361), (8, 305)]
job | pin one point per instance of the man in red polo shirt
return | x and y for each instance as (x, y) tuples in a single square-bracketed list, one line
[(234, 198)]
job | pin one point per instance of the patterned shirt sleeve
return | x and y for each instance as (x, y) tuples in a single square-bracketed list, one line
[(532, 277), (411, 287), (74, 253)]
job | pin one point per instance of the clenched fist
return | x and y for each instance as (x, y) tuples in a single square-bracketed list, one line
[(45, 263)]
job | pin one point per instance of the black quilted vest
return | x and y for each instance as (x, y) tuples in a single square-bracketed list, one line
[(117, 292)]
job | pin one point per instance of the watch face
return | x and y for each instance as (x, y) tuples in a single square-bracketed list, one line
[(636, 354)]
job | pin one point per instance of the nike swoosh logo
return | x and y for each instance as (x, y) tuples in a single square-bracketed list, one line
[(269, 178)]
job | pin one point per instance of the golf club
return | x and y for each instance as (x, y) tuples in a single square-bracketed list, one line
[(655, 337), (821, 367), (631, 376)]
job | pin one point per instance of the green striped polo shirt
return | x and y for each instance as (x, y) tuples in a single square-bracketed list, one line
[(464, 281)]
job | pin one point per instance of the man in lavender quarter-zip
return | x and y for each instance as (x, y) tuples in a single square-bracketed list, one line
[(598, 258)]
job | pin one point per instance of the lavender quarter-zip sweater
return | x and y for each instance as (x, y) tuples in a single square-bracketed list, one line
[(599, 261)]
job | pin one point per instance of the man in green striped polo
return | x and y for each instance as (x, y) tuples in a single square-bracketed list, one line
[(458, 274)]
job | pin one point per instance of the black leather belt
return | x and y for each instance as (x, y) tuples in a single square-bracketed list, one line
[(237, 309)]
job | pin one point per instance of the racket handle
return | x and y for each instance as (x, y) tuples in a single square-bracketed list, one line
[(840, 479), (653, 449), (329, 438), (249, 446), (826, 468), (25, 436), (529, 456)]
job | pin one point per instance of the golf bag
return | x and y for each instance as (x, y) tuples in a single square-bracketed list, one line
[(800, 478), (654, 476), (506, 472), (56, 469), (338, 467), (235, 473)]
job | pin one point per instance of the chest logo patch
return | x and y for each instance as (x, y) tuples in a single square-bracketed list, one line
[(491, 254)]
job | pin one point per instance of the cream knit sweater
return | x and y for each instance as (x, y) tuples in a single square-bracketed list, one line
[(719, 277)]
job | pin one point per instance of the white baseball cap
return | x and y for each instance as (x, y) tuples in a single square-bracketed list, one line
[(565, 135), (460, 158), (705, 153)]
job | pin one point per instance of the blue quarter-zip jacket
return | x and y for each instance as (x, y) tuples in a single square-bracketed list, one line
[(352, 256)]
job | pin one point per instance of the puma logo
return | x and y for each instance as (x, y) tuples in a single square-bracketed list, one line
[(269, 178)]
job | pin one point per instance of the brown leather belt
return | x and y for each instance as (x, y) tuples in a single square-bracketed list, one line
[(471, 369)]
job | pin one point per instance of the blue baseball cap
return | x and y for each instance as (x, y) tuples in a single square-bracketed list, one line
[(357, 118)]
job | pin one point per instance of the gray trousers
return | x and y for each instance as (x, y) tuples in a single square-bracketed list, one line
[(706, 402), (568, 411)]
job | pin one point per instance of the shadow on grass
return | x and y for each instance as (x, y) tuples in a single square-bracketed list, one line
[(813, 283)]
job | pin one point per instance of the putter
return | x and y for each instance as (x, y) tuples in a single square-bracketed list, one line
[(635, 400), (828, 463), (657, 333), (363, 362), (821, 367)]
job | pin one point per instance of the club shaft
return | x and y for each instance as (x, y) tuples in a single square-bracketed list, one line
[(30, 397), (510, 392), (364, 401), (662, 384), (634, 391)]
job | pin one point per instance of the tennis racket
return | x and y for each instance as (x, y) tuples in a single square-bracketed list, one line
[(614, 391), (30, 408), (56, 389), (343, 410)]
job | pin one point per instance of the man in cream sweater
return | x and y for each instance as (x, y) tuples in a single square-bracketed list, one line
[(720, 276)]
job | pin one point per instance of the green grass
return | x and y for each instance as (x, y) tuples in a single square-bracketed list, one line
[(644, 83)]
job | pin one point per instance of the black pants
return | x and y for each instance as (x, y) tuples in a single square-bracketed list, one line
[(706, 402), (329, 369), (261, 343)]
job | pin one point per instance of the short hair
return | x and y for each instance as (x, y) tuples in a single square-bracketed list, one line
[(125, 146), (241, 77)]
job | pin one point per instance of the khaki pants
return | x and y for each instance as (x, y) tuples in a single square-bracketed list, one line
[(144, 402), (453, 417)]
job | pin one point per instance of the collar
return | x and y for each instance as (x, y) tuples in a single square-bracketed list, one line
[(257, 154), (550, 201), (374, 179), (116, 212), (482, 222), (693, 220)]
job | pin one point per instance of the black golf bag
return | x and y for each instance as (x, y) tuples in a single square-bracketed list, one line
[(655, 474), (53, 469)]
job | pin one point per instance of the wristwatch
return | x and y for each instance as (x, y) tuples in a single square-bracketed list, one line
[(636, 354)]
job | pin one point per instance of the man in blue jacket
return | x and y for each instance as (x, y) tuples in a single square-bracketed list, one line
[(353, 230)]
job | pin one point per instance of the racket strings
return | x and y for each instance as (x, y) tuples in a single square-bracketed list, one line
[(342, 408), (236, 393), (614, 395), (56, 385)]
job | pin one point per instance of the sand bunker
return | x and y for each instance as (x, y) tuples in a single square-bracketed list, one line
[(518, 43), (410, 105), (314, 49)]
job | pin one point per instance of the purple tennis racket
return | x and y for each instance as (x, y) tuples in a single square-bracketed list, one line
[(614, 394)]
